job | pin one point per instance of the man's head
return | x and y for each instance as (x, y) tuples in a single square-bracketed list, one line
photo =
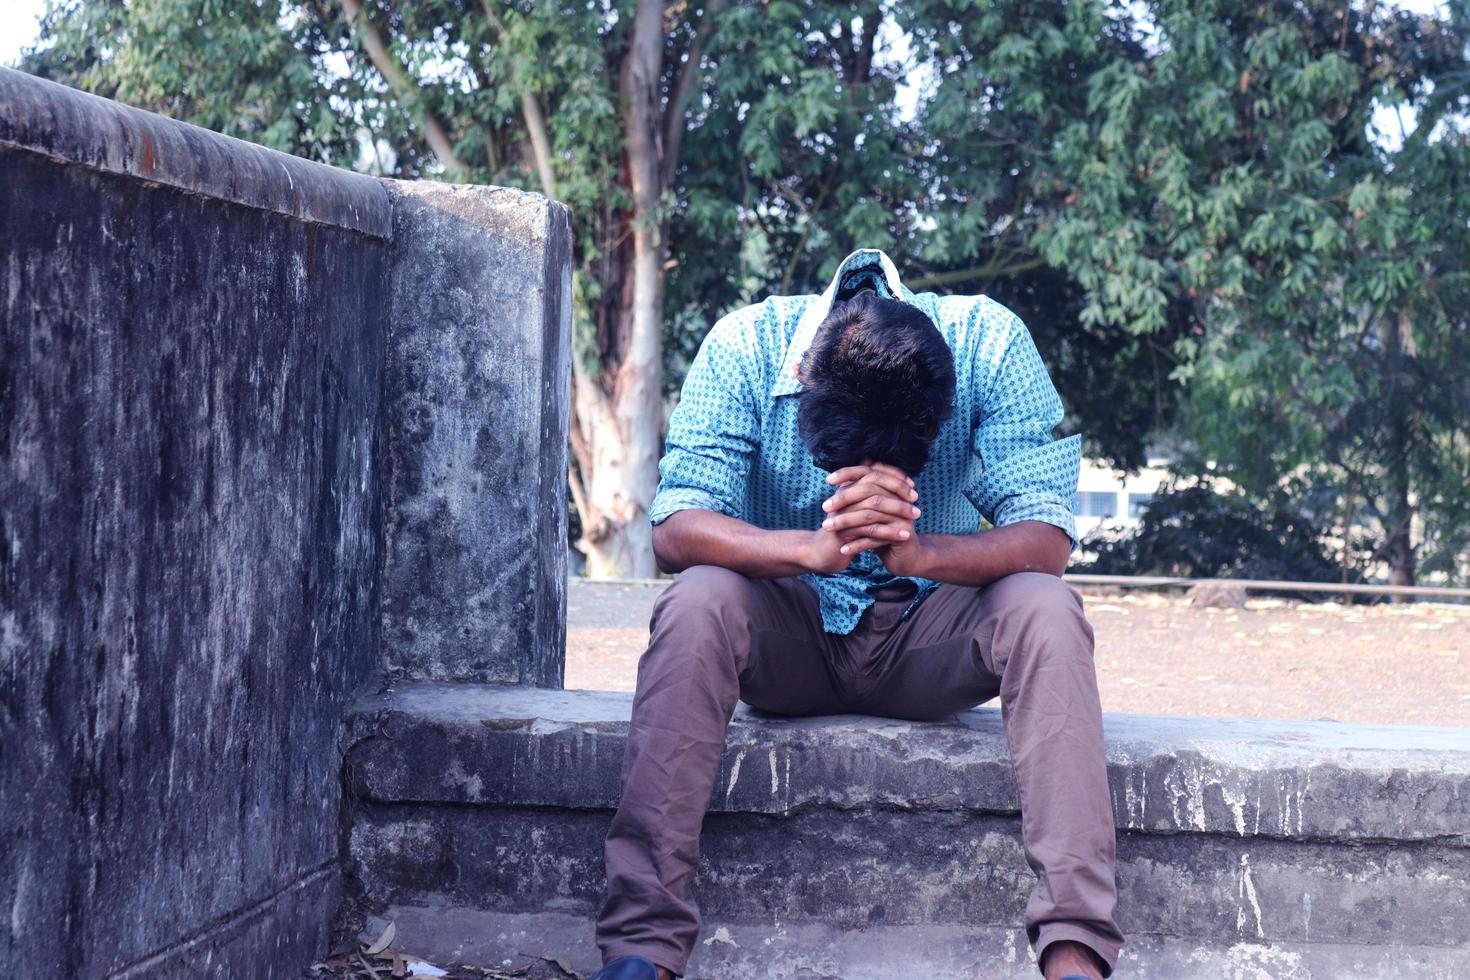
[(878, 385)]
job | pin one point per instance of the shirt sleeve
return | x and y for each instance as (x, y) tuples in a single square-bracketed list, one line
[(1025, 475), (714, 430)]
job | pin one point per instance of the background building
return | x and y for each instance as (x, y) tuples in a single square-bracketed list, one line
[(1111, 498)]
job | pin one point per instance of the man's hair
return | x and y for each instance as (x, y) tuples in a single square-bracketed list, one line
[(878, 383)]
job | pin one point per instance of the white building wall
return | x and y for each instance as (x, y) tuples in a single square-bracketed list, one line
[(1110, 498)]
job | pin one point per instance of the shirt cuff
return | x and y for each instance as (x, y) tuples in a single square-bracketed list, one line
[(674, 499), (1037, 507)]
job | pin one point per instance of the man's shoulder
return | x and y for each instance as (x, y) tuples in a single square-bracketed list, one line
[(979, 328), (758, 333), (762, 323), (977, 314)]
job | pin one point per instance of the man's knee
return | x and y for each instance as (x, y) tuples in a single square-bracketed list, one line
[(705, 612), (704, 591), (1035, 610)]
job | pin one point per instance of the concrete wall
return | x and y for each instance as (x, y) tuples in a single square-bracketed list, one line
[(479, 377), (226, 461)]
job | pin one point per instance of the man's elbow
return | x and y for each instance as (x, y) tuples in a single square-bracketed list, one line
[(665, 548), (1055, 549)]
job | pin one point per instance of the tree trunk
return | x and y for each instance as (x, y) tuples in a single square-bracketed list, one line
[(619, 410), (1397, 345)]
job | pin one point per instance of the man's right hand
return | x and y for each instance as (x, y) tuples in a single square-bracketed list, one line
[(824, 553)]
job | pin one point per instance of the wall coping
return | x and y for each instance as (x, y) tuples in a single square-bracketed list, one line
[(82, 129), (486, 744)]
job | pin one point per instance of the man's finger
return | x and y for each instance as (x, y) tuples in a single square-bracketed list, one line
[(848, 474), (884, 509), (861, 522), (884, 532), (865, 489), (894, 471), (890, 478), (863, 544)]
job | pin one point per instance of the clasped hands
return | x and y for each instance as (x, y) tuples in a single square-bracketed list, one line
[(873, 509)]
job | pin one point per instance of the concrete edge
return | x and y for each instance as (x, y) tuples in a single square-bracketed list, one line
[(556, 316), (475, 270), (731, 950), (82, 129), (490, 745)]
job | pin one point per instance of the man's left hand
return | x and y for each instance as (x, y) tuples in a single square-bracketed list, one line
[(874, 509)]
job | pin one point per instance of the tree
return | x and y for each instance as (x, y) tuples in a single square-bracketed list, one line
[(1199, 178)]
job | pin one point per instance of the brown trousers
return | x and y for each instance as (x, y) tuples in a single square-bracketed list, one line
[(718, 636)]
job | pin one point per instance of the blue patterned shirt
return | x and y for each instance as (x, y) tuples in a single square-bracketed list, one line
[(733, 445)]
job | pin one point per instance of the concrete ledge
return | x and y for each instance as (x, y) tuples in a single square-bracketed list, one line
[(1229, 831), (1295, 780), (730, 951), (77, 128)]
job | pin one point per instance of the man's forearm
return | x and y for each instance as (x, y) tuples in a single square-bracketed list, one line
[(704, 537), (983, 557)]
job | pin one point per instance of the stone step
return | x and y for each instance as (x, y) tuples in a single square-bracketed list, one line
[(1229, 831), (507, 941)]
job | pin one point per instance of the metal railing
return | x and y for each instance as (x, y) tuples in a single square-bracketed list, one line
[(1266, 585), (1168, 582)]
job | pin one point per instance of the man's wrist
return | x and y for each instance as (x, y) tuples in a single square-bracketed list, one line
[(923, 562), (806, 553), (933, 551)]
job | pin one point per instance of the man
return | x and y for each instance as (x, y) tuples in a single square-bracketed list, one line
[(870, 588)]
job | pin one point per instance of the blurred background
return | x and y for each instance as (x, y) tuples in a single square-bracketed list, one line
[(1237, 230)]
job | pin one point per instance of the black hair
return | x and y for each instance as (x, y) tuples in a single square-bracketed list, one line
[(878, 383)]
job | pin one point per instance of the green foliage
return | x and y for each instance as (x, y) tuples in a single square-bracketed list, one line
[(1203, 173), (1199, 532), (254, 69)]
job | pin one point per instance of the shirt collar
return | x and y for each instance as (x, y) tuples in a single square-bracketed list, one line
[(816, 311)]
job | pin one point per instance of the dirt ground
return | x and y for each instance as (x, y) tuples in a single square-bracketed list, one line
[(1403, 664)]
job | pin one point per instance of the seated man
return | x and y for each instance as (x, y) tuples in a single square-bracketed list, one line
[(869, 588)]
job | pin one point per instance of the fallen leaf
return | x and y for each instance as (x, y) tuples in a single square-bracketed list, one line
[(563, 964), (382, 942)]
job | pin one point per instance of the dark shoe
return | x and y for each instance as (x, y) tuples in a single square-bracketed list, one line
[(626, 968)]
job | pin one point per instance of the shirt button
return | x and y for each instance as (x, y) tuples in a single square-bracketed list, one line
[(852, 607)]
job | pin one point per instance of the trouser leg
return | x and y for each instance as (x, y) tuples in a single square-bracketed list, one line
[(1026, 638), (715, 636)]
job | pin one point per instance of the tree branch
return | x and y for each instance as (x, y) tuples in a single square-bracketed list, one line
[(540, 141), (673, 126), (531, 112), (987, 271), (864, 67), (406, 88), (806, 233)]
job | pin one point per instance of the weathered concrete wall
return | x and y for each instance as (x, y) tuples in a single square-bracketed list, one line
[(204, 469), (479, 376), (190, 380)]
